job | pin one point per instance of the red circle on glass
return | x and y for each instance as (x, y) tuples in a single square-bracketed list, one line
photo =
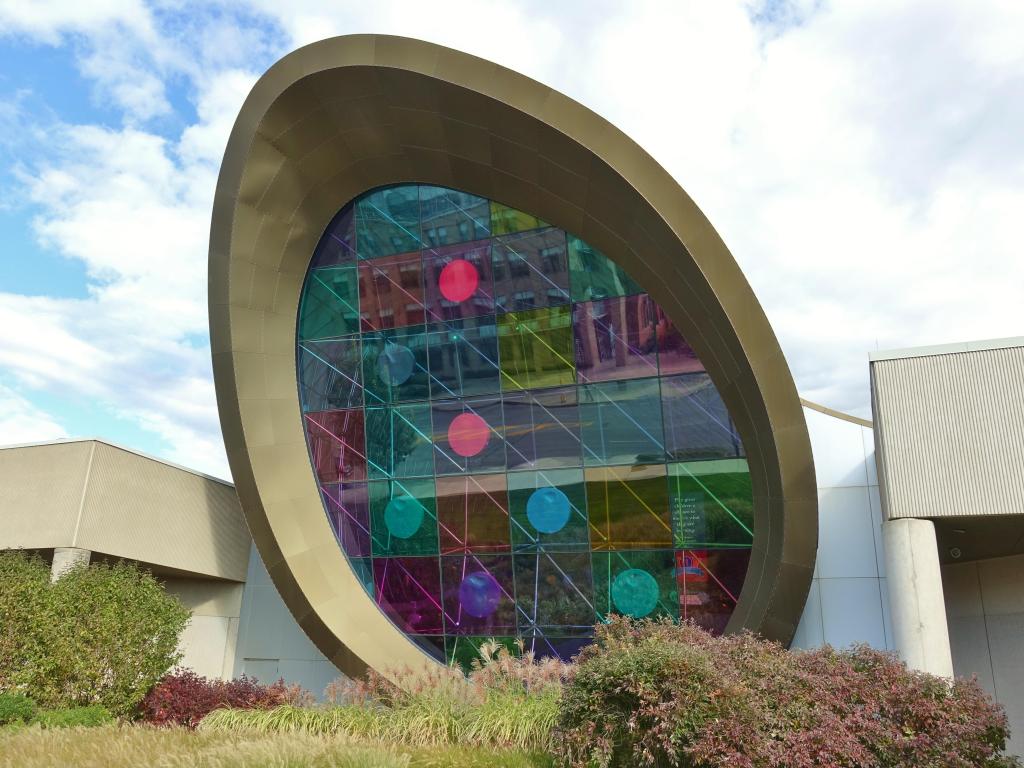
[(459, 280), (468, 434)]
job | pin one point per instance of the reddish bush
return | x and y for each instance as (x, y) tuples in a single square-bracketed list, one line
[(660, 694), (185, 698)]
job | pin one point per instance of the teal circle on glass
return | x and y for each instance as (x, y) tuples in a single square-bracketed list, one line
[(403, 516), (395, 364), (635, 592), (547, 509)]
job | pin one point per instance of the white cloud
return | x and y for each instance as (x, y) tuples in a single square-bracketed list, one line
[(22, 422), (134, 208), (864, 165), (862, 160)]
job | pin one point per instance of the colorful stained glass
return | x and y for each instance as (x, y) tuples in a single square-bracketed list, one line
[(348, 511), (468, 435), (464, 357), (472, 514), (395, 365), (674, 354), (628, 507), (458, 281), (549, 510), (536, 349), (554, 594), (479, 596), (388, 222), (712, 504), (641, 584), (408, 590), (697, 423), (506, 220), (594, 276), (448, 216), (330, 303), (391, 292), (531, 270), (511, 439), (621, 422), (403, 519), (709, 583), (331, 374), (615, 339), (337, 445), (542, 428), (338, 244), (398, 441)]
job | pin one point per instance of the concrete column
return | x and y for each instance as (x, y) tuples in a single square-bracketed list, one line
[(66, 558), (915, 595)]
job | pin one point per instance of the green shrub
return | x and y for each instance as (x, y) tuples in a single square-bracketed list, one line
[(84, 717), (101, 634), (661, 694), (16, 708)]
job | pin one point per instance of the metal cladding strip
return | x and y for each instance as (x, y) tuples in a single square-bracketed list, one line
[(950, 431), (342, 116)]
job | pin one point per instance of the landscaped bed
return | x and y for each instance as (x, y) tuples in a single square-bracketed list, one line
[(646, 693)]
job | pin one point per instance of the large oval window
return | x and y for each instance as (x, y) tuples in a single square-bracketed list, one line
[(510, 438)]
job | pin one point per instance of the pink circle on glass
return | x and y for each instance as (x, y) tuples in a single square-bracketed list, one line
[(459, 280), (468, 434)]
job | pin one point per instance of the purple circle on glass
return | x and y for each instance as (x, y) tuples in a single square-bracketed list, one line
[(479, 594)]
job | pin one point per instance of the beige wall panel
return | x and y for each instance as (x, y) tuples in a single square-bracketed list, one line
[(206, 597), (209, 641), (203, 645), (950, 432), (145, 510), (41, 494)]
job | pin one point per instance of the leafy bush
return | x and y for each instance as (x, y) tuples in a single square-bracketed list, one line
[(16, 708), (101, 634), (185, 698), (74, 717), (661, 694)]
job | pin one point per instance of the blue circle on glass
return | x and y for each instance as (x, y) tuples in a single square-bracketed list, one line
[(548, 510), (635, 592), (403, 516), (395, 364), (479, 594)]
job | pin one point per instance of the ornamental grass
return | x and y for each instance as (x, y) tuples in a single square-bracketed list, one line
[(139, 746), (506, 701)]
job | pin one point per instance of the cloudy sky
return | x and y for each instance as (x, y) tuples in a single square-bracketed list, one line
[(863, 159)]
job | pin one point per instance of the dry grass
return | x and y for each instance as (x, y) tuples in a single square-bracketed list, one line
[(143, 746)]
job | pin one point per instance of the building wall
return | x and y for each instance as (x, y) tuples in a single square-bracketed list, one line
[(89, 494), (209, 641), (985, 613), (951, 424), (848, 602), (271, 644)]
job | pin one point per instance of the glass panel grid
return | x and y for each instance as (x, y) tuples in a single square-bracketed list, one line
[(511, 439)]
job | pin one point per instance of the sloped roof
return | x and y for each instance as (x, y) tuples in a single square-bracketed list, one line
[(112, 500)]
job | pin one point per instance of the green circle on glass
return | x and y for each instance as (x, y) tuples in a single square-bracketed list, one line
[(403, 516), (635, 592)]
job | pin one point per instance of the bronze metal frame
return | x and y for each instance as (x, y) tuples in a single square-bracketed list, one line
[(342, 116)]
